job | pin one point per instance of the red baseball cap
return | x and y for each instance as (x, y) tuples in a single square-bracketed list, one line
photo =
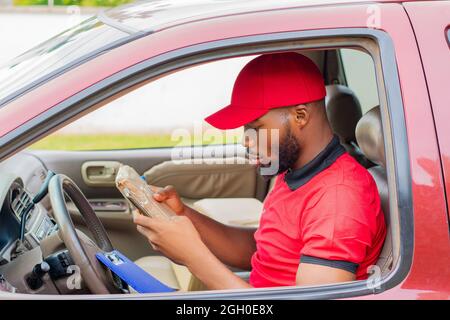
[(270, 81)]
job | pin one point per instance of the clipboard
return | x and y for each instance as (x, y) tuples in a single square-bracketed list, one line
[(131, 273)]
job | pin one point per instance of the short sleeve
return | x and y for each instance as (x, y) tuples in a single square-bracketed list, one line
[(336, 229)]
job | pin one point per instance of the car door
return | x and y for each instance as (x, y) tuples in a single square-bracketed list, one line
[(433, 38), (178, 45), (431, 23)]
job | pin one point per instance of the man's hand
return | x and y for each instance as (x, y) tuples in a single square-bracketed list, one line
[(176, 237), (169, 196)]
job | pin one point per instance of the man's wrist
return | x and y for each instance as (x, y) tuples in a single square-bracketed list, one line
[(197, 259), (189, 212)]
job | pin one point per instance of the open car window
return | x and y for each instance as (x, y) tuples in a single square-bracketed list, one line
[(168, 112)]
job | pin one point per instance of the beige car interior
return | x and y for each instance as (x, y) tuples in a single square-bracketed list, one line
[(369, 134), (211, 178)]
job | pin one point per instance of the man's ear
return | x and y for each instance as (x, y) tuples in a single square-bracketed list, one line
[(300, 115)]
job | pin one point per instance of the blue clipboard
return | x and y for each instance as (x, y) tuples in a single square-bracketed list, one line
[(131, 273)]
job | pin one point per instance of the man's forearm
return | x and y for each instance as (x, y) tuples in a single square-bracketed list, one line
[(233, 246)]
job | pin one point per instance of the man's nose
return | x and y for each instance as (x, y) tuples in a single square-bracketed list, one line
[(248, 142)]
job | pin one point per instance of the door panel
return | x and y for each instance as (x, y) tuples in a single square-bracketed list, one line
[(394, 22), (107, 201), (229, 178), (100, 173), (433, 40)]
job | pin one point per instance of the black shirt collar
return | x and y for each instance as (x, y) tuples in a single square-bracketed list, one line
[(298, 177)]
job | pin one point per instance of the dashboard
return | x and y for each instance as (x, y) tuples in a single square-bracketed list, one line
[(41, 264), (16, 192)]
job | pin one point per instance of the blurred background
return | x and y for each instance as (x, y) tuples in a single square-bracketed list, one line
[(26, 23), (152, 116)]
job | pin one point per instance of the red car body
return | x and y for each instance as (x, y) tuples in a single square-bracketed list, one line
[(418, 31)]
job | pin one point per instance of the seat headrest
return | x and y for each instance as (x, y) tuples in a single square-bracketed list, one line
[(343, 111), (369, 135)]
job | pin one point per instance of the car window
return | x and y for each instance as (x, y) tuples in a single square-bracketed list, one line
[(360, 74), (164, 113), (55, 53)]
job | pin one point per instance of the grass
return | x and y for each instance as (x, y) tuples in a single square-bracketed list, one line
[(80, 142)]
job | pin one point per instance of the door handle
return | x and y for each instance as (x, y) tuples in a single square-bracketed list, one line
[(100, 173)]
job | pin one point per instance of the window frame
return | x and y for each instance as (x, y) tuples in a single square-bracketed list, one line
[(447, 33), (344, 71), (377, 43)]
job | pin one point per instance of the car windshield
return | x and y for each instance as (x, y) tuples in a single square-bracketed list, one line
[(56, 53)]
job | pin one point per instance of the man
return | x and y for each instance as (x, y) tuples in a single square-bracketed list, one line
[(321, 223)]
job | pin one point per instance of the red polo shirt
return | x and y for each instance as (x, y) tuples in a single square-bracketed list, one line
[(327, 212)]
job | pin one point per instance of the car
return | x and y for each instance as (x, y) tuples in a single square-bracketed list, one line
[(400, 135)]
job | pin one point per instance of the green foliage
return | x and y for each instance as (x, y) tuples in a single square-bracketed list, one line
[(125, 141), (30, 2), (83, 3)]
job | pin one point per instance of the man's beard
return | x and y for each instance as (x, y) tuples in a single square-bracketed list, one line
[(288, 153)]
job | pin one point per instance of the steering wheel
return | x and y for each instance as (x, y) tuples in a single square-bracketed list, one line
[(81, 248)]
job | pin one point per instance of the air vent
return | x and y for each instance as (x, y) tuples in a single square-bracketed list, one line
[(20, 199)]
